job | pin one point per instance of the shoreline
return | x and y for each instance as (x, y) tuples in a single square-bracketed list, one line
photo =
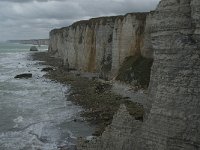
[(95, 96)]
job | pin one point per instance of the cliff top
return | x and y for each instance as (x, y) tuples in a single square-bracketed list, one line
[(102, 20)]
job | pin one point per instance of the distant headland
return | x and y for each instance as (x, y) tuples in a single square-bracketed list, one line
[(31, 41)]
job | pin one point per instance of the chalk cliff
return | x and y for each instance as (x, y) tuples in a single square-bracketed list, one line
[(101, 44), (171, 36), (174, 119)]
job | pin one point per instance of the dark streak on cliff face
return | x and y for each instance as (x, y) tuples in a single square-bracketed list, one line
[(139, 40), (92, 53), (136, 69)]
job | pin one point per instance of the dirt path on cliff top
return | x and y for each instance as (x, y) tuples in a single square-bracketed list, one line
[(97, 98)]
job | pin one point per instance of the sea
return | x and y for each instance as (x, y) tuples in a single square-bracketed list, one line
[(35, 113)]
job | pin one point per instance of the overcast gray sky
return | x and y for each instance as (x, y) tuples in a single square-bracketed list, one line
[(28, 19)]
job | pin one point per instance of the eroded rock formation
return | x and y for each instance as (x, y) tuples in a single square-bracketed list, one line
[(120, 135)]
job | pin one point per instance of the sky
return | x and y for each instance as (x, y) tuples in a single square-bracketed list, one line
[(33, 19)]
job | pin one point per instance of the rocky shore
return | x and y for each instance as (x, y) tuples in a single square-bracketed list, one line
[(96, 96)]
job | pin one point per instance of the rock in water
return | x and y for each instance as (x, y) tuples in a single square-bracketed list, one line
[(47, 69), (24, 75), (33, 48)]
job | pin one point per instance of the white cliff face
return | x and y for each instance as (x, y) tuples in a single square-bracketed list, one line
[(83, 45), (101, 44), (128, 38), (174, 119)]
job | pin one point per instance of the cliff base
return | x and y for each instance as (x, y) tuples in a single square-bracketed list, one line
[(94, 95)]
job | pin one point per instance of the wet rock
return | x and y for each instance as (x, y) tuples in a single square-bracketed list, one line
[(102, 87), (78, 74), (33, 48), (24, 75), (72, 69), (67, 147), (126, 97), (44, 139), (97, 132), (47, 69)]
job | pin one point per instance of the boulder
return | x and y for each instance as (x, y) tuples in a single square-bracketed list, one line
[(33, 48), (47, 69), (24, 75)]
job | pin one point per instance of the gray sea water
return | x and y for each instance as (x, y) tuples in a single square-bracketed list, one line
[(34, 113)]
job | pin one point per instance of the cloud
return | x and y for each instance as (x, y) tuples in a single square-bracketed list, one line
[(26, 1), (20, 19)]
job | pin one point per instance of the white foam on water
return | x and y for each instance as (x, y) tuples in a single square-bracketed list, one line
[(18, 119), (34, 113)]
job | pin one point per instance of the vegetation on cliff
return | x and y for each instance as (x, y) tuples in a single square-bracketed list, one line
[(136, 71)]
